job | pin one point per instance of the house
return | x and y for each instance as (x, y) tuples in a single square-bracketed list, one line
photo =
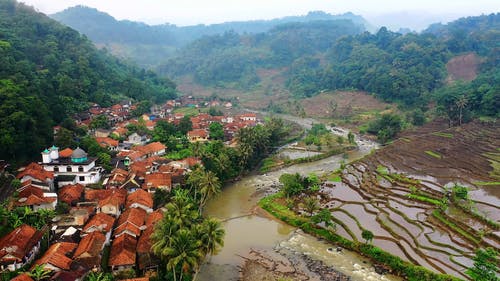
[(19, 247), (122, 254), (248, 117), (197, 135), (113, 203), (102, 133), (107, 142), (136, 139), (157, 180), (36, 172), (151, 149), (88, 252), (131, 222), (77, 217), (71, 194), (79, 167), (140, 199), (56, 258), (36, 199), (102, 223)]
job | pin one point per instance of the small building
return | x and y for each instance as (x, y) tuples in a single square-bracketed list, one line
[(140, 199), (136, 139), (19, 247), (71, 194), (157, 181), (56, 258), (88, 252), (36, 199), (131, 222), (102, 223), (122, 256), (197, 135)]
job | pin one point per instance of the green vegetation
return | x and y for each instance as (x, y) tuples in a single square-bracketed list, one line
[(49, 72), (183, 238), (485, 265), (433, 154), (399, 267), (386, 127)]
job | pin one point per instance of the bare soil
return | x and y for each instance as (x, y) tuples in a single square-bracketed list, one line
[(464, 67)]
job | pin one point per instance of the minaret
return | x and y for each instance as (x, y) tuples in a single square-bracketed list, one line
[(54, 152), (46, 156)]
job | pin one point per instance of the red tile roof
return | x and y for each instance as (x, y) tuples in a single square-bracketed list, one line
[(22, 277), (18, 243), (123, 251), (97, 195), (36, 171), (66, 153), (31, 190), (131, 221), (71, 193), (114, 199), (90, 246), (201, 133), (105, 142), (101, 221), (157, 180), (56, 255), (140, 197), (154, 217), (150, 148)]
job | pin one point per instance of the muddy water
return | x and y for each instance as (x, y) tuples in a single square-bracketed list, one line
[(245, 230)]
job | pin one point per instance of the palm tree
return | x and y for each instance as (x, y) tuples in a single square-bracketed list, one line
[(212, 236), (39, 273), (209, 186), (181, 211), (184, 251), (461, 103), (311, 205)]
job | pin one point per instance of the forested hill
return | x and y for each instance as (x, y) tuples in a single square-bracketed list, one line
[(49, 71), (332, 55), (149, 44), (233, 58)]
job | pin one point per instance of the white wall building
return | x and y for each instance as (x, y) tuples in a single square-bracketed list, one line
[(75, 169)]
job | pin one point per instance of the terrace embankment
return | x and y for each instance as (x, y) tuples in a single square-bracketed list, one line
[(402, 193)]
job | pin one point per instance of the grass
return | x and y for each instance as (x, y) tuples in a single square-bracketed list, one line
[(425, 199), (433, 154), (444, 135), (382, 170), (335, 178)]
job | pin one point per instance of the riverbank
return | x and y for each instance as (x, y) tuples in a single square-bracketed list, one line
[(386, 262)]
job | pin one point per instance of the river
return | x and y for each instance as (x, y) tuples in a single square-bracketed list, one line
[(246, 230)]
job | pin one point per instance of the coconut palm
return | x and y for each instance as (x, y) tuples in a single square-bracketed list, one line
[(311, 204), (212, 236), (184, 251), (209, 186), (181, 211)]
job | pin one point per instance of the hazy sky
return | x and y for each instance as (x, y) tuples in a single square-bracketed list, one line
[(188, 12)]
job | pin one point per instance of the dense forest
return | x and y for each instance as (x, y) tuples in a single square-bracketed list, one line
[(49, 71), (148, 45), (230, 57), (315, 57)]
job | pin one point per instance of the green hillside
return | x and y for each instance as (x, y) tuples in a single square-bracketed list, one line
[(49, 71)]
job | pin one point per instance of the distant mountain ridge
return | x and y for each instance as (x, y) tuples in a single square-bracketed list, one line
[(146, 44)]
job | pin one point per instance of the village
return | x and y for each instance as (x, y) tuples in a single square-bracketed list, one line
[(104, 218)]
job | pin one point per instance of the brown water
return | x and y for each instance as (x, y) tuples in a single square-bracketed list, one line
[(245, 230)]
